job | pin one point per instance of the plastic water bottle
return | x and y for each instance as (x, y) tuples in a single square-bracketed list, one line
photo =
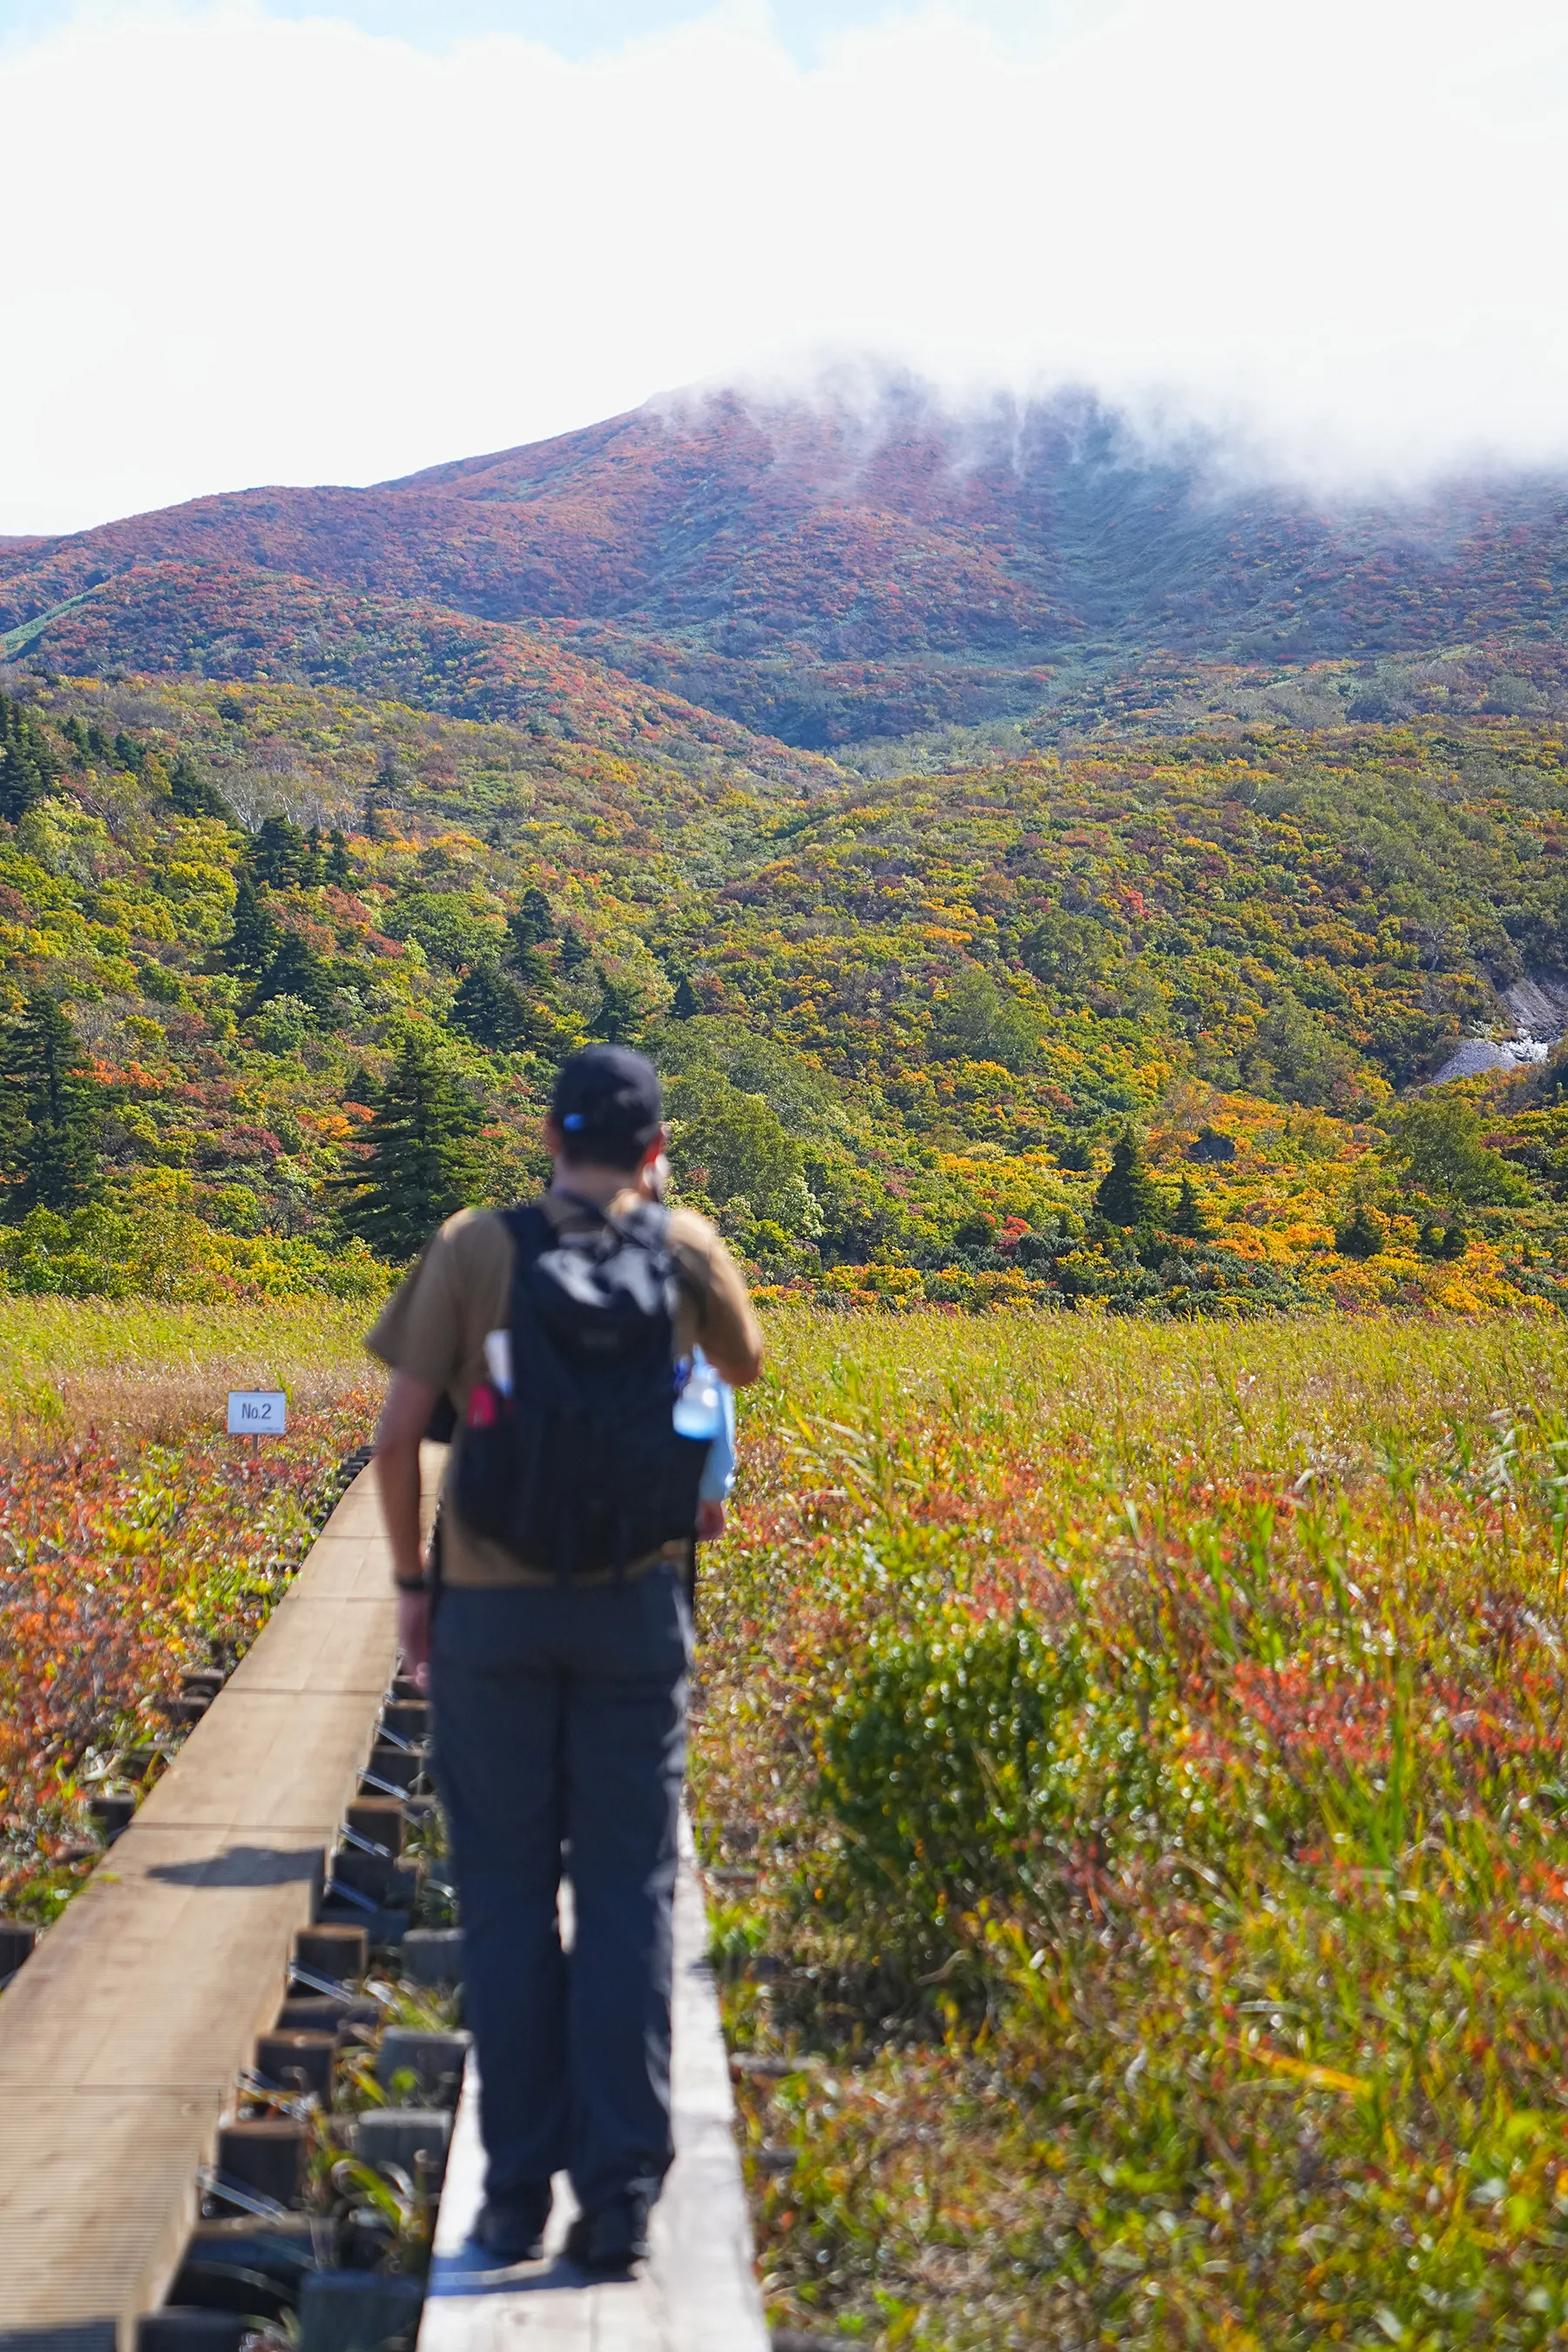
[(700, 1409)]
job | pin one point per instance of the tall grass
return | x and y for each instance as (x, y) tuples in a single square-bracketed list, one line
[(137, 1540), (136, 1366), (1137, 1754)]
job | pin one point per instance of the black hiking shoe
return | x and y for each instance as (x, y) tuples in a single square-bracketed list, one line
[(612, 2239), (511, 2229)]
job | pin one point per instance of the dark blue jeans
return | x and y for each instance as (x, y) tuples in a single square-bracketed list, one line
[(561, 1720)]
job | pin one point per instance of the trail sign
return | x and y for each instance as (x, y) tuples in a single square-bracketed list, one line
[(258, 1412)]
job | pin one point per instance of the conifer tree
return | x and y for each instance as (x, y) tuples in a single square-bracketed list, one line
[(51, 1112), (530, 968), (338, 869), (28, 769), (293, 970), (686, 1001), (194, 794), (489, 1009), (1360, 1236), (1189, 1220), (249, 946), (532, 922), (574, 953), (528, 927), (619, 1016), (1126, 1193), (279, 854), (419, 1166)]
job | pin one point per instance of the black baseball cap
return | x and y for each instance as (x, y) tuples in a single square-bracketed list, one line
[(608, 1095)]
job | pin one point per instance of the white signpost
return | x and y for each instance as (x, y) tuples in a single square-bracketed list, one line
[(257, 1414)]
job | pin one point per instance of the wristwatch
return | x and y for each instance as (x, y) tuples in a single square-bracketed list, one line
[(412, 1583)]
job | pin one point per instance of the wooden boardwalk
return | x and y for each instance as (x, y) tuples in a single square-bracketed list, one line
[(121, 2038), (698, 2294)]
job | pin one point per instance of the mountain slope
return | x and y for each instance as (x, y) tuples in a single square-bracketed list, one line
[(230, 621), (824, 574)]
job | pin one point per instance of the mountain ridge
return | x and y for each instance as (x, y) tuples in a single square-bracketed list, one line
[(821, 575)]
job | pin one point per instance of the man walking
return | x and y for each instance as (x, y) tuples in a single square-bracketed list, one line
[(560, 1642)]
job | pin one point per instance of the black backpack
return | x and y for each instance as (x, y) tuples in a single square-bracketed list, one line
[(580, 1470)]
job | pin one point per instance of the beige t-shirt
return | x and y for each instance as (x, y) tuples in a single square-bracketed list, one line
[(435, 1325)]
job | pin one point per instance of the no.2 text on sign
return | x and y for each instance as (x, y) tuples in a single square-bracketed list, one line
[(258, 1412)]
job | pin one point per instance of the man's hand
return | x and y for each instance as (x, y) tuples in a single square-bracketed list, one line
[(414, 1635)]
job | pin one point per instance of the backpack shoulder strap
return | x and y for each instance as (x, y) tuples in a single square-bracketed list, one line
[(646, 1222), (531, 1230)]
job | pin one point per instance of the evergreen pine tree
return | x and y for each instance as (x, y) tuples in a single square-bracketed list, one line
[(489, 1009), (1359, 1236), (530, 968), (619, 1015), (532, 922), (293, 970), (1189, 1220), (573, 954), (1126, 1193), (380, 799), (130, 752), (686, 1001), (338, 869), (418, 1167), (193, 794), (27, 767), (52, 1112), (279, 854), (249, 946)]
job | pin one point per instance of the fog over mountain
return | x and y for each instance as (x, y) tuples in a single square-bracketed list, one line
[(834, 572), (306, 248)]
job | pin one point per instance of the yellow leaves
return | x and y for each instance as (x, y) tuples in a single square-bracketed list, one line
[(336, 1126), (1301, 2070)]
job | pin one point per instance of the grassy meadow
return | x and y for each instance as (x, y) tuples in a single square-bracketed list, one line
[(1129, 1767), (138, 1541), (1132, 1772)]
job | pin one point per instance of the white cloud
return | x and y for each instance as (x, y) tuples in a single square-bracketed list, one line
[(245, 248)]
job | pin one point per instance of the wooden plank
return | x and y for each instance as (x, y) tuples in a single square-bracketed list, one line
[(698, 2293), (120, 2039)]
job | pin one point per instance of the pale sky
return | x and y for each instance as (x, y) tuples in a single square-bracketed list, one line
[(575, 28), (253, 243)]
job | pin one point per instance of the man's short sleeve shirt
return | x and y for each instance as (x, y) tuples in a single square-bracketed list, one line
[(434, 1324)]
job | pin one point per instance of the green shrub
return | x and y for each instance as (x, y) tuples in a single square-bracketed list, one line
[(941, 1763)]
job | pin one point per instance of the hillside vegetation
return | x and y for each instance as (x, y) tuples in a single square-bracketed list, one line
[(832, 574), (1137, 1026)]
